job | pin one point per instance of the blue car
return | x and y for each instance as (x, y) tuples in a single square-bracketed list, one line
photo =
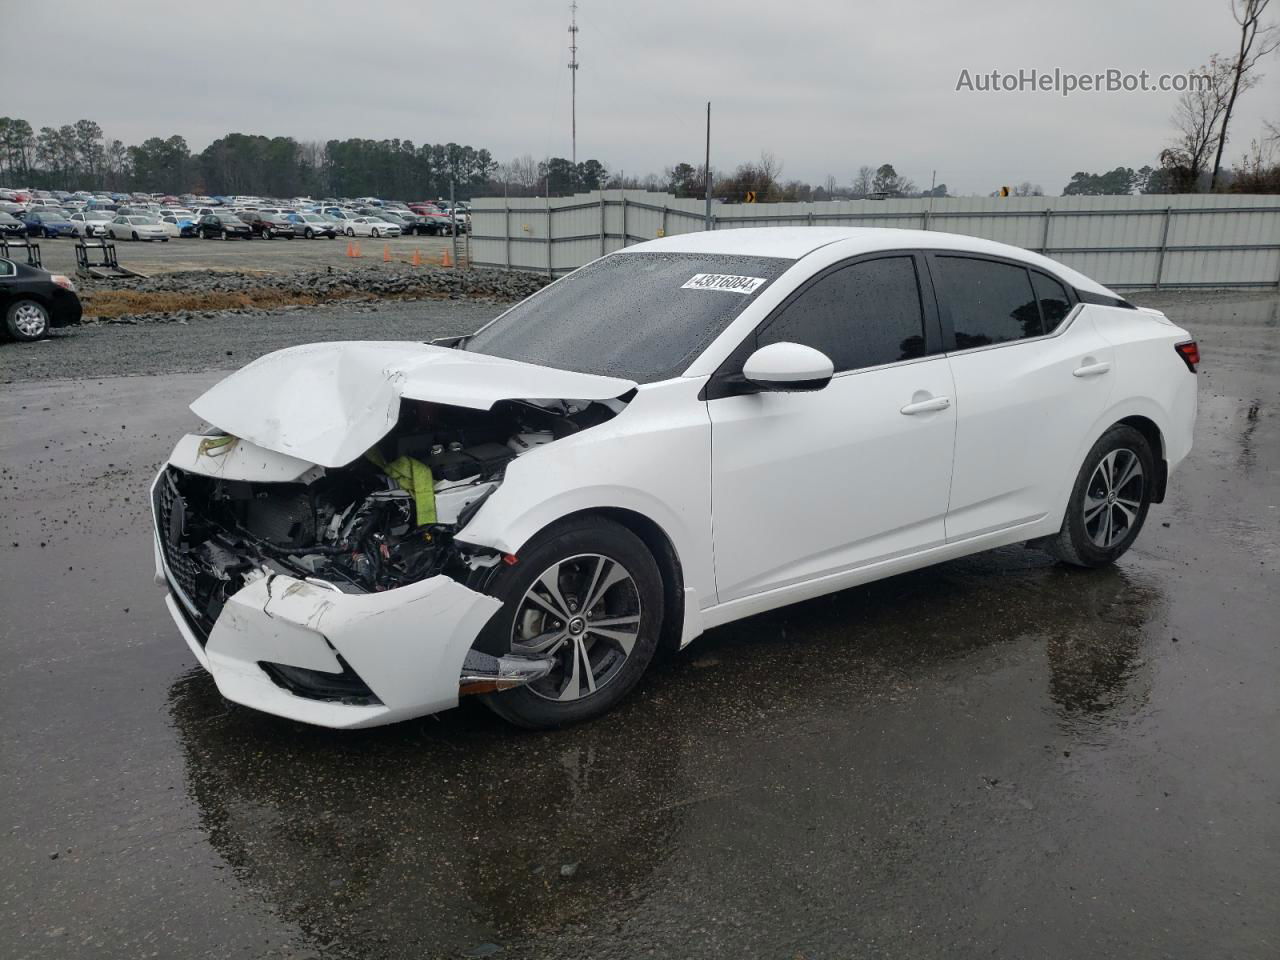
[(47, 223)]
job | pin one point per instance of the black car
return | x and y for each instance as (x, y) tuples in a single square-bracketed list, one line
[(11, 226), (414, 223), (224, 225), (34, 300)]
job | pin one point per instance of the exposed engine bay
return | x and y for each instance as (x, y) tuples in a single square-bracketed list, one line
[(386, 520)]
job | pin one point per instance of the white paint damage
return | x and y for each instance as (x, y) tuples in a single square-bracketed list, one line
[(407, 644), (328, 403)]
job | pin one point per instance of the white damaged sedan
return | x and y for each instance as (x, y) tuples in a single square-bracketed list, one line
[(676, 436)]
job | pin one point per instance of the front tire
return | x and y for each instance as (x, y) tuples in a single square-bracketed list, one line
[(374, 233), (1109, 501), (350, 232), (27, 320), (308, 234), (588, 593), (135, 234)]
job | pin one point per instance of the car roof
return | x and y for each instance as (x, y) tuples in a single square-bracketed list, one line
[(793, 243)]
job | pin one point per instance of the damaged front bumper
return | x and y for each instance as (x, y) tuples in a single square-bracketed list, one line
[(308, 652)]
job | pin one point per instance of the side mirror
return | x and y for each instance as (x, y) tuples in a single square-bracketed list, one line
[(788, 367)]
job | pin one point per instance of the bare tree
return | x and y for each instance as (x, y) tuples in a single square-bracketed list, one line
[(1256, 42), (863, 181), (830, 185), (1198, 118)]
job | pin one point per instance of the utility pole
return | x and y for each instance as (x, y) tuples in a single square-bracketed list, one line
[(573, 74), (706, 172)]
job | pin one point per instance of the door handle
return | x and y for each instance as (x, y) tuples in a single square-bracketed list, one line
[(931, 405), (1091, 369)]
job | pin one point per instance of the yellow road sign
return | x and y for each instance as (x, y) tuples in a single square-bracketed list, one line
[(751, 197)]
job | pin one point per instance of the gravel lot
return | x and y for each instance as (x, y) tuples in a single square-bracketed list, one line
[(996, 757), (227, 341)]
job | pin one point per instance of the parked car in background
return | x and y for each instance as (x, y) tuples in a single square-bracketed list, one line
[(388, 216), (271, 225), (137, 227), (438, 222), (224, 226), (370, 227), (11, 226), (91, 223), (48, 222), (179, 223), (32, 300), (412, 223), (311, 225)]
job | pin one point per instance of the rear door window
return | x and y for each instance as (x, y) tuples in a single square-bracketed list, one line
[(990, 302)]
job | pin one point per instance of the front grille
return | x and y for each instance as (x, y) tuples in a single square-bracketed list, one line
[(170, 519), (170, 514)]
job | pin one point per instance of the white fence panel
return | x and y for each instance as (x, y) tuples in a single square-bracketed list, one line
[(1136, 241)]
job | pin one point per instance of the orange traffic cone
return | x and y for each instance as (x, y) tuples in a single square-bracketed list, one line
[(444, 259), (357, 253), (417, 258), (351, 249), (386, 253)]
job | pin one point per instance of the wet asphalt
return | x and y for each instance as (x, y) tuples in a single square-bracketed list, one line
[(997, 757)]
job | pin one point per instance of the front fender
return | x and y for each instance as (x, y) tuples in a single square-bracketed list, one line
[(653, 459)]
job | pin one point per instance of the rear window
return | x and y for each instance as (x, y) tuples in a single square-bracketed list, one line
[(642, 316)]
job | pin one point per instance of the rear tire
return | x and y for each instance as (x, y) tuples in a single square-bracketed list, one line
[(575, 556), (308, 234), (1109, 501)]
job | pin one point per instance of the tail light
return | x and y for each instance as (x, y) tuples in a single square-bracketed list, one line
[(1189, 351)]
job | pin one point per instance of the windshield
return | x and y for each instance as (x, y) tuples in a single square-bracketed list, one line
[(633, 315)]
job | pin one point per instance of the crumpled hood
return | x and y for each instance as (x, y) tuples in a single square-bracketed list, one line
[(328, 403)]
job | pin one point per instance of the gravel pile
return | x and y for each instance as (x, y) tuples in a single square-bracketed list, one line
[(373, 282)]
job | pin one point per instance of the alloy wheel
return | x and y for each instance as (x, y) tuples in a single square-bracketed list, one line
[(1113, 499), (30, 319), (584, 612)]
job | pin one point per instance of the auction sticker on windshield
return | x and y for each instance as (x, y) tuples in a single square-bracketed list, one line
[(724, 281)]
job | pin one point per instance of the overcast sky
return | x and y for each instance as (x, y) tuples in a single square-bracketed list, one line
[(824, 86)]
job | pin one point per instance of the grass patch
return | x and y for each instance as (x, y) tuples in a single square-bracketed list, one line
[(105, 304)]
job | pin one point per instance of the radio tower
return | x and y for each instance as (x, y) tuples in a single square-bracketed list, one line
[(573, 74)]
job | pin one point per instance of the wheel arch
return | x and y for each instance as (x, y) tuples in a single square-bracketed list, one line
[(663, 549), (1151, 431)]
